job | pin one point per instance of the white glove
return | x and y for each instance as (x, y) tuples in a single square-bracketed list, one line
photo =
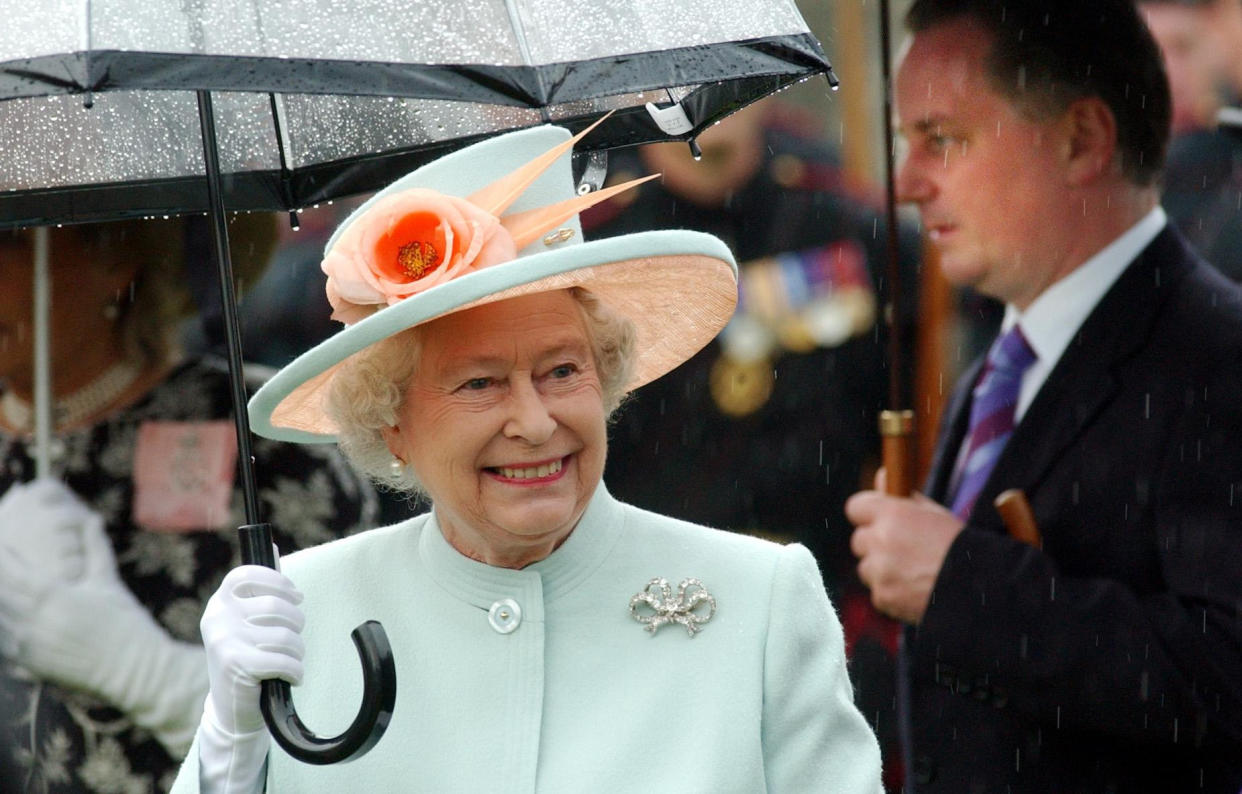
[(252, 631), (66, 616), (40, 528)]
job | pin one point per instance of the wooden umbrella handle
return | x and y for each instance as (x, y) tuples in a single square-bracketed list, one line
[(1019, 519), (896, 430)]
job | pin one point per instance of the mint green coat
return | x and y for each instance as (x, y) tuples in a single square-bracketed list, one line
[(579, 697)]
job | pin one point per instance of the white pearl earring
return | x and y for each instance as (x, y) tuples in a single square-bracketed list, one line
[(396, 467)]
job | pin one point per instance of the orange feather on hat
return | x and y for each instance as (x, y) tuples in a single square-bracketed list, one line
[(496, 197), (524, 227)]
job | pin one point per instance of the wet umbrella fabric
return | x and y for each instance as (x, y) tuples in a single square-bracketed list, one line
[(108, 110), (317, 98)]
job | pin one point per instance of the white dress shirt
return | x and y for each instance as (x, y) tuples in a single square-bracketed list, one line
[(1051, 321)]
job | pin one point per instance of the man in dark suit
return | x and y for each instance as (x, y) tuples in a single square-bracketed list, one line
[(1106, 657)]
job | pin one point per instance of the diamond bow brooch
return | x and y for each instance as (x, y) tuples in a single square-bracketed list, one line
[(655, 605)]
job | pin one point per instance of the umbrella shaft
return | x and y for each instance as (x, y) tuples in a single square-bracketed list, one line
[(232, 329), (893, 267), (42, 355)]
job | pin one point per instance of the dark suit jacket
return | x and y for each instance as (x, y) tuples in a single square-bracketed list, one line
[(1110, 660)]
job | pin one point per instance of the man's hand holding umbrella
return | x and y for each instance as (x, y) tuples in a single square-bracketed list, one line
[(901, 543)]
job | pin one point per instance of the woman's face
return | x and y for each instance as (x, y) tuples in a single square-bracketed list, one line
[(83, 338), (503, 422)]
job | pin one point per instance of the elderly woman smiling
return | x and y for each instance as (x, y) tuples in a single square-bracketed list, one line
[(548, 638), (502, 412)]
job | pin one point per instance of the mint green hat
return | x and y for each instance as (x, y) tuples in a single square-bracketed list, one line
[(495, 220)]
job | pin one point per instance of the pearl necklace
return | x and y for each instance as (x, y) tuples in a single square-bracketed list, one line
[(75, 408)]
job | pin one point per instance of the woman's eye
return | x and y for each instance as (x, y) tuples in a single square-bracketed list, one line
[(563, 371), (477, 384)]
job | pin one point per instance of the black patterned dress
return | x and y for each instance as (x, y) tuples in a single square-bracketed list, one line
[(53, 740)]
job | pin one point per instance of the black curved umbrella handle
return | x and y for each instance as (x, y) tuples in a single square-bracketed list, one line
[(379, 683)]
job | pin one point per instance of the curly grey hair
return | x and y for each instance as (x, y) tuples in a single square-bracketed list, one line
[(366, 394)]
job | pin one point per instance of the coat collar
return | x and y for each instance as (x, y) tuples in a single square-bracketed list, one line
[(482, 585)]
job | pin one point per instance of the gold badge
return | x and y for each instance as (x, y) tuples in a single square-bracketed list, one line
[(741, 387)]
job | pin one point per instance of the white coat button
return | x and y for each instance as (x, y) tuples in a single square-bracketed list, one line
[(505, 615)]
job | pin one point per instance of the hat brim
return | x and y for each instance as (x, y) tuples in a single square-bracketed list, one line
[(678, 287)]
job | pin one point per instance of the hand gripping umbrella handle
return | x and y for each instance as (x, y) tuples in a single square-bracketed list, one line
[(379, 683)]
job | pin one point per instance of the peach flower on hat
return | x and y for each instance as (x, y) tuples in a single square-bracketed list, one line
[(409, 242)]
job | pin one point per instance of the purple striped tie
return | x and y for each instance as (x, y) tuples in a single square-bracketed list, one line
[(991, 415)]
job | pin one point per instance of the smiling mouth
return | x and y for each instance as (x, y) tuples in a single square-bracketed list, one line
[(550, 469)]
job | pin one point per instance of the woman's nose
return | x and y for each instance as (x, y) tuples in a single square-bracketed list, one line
[(529, 418)]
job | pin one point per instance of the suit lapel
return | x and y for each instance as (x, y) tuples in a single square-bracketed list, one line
[(1084, 380), (953, 429)]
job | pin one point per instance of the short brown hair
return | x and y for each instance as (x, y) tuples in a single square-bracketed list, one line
[(1049, 54)]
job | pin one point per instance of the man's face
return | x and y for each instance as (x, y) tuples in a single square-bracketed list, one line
[(988, 182)]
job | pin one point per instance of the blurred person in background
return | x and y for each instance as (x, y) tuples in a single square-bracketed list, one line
[(1201, 42), (772, 426), (107, 564)]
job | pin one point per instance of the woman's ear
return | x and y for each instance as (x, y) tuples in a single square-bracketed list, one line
[(392, 437), (1090, 140)]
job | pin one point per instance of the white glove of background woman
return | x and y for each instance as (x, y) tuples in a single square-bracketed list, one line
[(252, 631), (66, 616)]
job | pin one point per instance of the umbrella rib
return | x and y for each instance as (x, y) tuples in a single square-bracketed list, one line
[(519, 33), (282, 132), (283, 145)]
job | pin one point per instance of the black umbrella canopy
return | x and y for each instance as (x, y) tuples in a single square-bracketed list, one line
[(316, 99)]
